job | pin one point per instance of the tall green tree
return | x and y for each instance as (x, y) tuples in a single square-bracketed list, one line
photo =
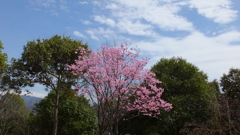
[(186, 87), (3, 59), (45, 62), (214, 124), (13, 116), (140, 125), (11, 78), (230, 84), (14, 79), (3, 65), (76, 115)]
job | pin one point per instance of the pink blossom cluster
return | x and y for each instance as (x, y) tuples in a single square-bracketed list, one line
[(115, 74)]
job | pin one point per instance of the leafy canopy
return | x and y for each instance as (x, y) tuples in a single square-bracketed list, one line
[(14, 114), (76, 115), (186, 87), (231, 83), (3, 59), (45, 61)]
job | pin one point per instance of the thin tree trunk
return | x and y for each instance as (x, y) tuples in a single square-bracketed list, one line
[(100, 129), (229, 118), (116, 129), (55, 123)]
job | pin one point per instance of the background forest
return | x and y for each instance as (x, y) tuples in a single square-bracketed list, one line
[(198, 106)]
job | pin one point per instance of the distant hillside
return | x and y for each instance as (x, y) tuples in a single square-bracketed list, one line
[(30, 101)]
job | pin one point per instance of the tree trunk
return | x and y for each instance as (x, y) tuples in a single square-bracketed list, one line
[(116, 129), (100, 129), (55, 123), (229, 118)]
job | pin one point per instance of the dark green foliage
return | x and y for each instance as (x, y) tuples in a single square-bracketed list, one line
[(213, 125), (140, 125), (13, 115), (231, 83), (186, 87), (190, 94), (46, 62), (231, 87), (76, 116), (214, 86), (14, 78)]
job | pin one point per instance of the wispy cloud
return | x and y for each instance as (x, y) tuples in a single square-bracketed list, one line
[(51, 6), (163, 15), (135, 28), (78, 34), (37, 91), (165, 28), (36, 94), (213, 55), (100, 33), (104, 20), (218, 10), (83, 2), (53, 12), (64, 5), (44, 3), (92, 34), (86, 22)]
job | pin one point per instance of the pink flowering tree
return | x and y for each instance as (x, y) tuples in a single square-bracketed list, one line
[(117, 83)]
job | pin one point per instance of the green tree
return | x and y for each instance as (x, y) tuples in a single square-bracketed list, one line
[(14, 115), (76, 116), (140, 125), (3, 65), (230, 84), (3, 59), (13, 79), (45, 62), (214, 124), (186, 87)]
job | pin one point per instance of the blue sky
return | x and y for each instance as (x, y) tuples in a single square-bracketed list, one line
[(205, 32)]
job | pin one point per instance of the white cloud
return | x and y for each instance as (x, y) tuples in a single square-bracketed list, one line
[(166, 18), (83, 2), (218, 10), (92, 34), (163, 14), (211, 55), (111, 6), (36, 94), (45, 3), (104, 20), (64, 8), (135, 28), (86, 22), (64, 5), (228, 37), (151, 19), (126, 26), (37, 91), (51, 6), (53, 12), (78, 34), (100, 32), (95, 2)]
